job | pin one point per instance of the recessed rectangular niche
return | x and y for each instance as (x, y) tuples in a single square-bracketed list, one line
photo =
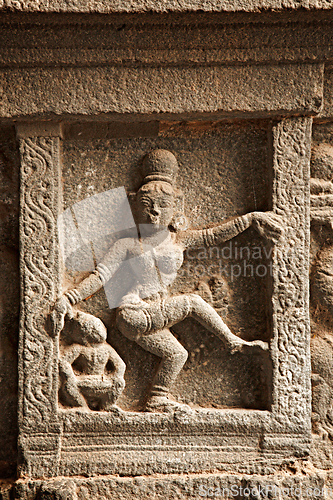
[(223, 173)]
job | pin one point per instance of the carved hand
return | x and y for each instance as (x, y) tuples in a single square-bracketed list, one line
[(268, 224), (61, 309)]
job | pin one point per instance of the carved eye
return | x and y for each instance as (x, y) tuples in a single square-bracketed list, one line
[(165, 203)]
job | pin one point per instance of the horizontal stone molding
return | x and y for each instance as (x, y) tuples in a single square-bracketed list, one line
[(246, 91), (38, 129), (182, 487), (162, 40)]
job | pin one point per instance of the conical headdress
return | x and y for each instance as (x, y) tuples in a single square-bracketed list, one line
[(159, 165)]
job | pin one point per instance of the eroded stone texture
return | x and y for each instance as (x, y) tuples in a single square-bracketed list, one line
[(129, 6), (91, 372), (218, 377), (321, 292), (147, 309), (292, 483), (39, 268), (152, 433), (136, 90)]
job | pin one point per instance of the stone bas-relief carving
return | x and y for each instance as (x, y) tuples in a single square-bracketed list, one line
[(40, 172), (147, 311), (244, 424), (73, 442), (91, 372)]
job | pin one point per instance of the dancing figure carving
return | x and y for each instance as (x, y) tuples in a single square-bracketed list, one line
[(147, 310)]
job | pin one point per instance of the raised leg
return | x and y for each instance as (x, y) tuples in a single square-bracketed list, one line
[(206, 315)]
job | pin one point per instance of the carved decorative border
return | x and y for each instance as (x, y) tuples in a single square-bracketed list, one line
[(290, 297), (40, 281)]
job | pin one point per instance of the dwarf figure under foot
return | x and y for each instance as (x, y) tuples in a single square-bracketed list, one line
[(91, 372)]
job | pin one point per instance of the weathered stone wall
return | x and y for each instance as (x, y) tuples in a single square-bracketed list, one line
[(233, 97)]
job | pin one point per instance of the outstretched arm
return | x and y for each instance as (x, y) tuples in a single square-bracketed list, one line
[(103, 273), (63, 306), (267, 224), (215, 235)]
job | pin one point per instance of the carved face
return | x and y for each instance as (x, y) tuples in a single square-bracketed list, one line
[(155, 207)]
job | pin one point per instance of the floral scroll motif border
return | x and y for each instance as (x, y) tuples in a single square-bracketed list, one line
[(290, 297), (40, 281)]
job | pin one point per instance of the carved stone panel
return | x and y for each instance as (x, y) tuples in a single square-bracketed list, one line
[(171, 299), (290, 293)]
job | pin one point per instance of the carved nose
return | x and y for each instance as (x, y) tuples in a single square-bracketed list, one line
[(155, 210)]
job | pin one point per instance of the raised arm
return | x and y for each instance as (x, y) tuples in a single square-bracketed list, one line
[(117, 362), (67, 358), (70, 389)]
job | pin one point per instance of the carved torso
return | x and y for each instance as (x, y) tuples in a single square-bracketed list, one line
[(155, 267), (153, 263)]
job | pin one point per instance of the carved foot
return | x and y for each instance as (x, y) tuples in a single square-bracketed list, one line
[(113, 409), (256, 346), (81, 409), (163, 404)]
